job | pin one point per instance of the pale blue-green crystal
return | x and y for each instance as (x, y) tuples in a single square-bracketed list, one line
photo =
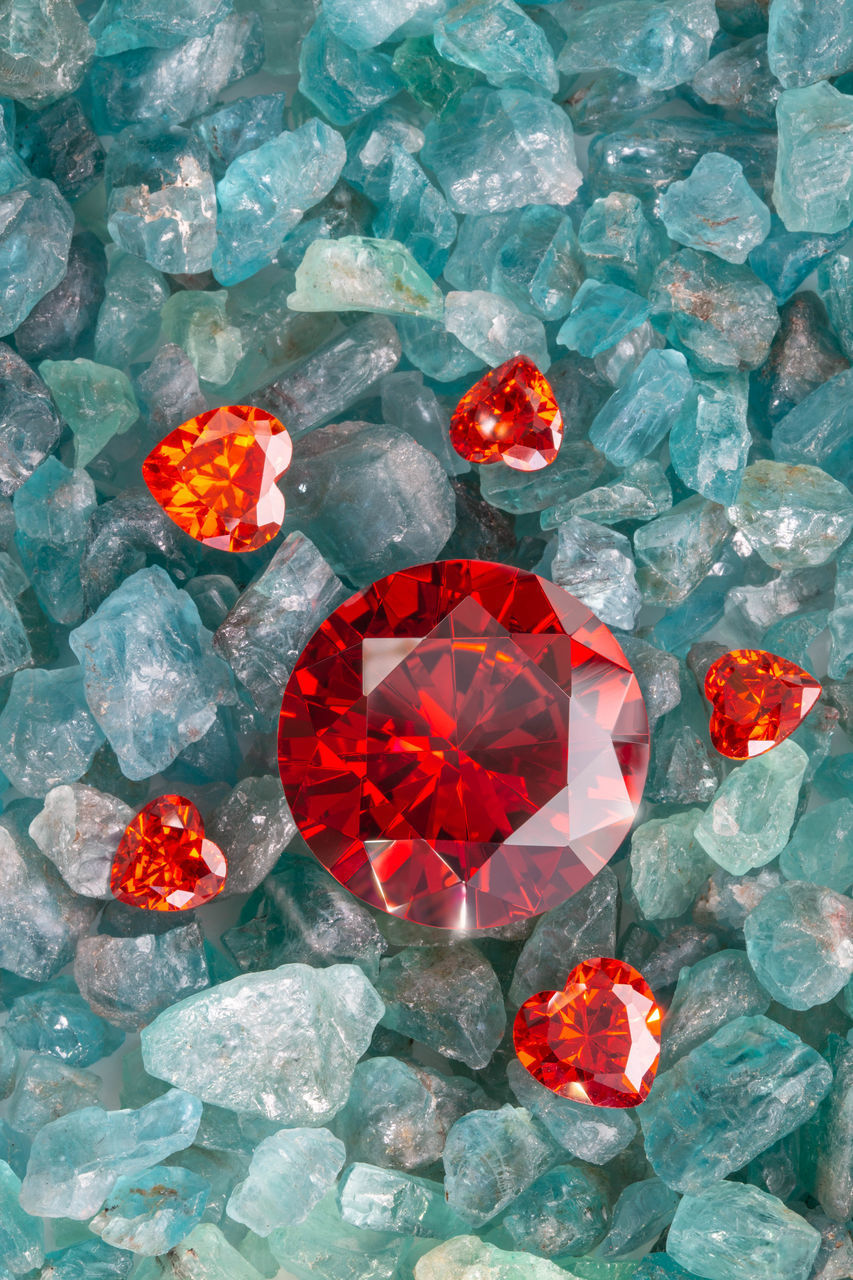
[(818, 430), (152, 1212), (290, 1039), (251, 826), (198, 322), (807, 42), (368, 23), (794, 637), (619, 244), (821, 847), (35, 237), (47, 734), (617, 364), (794, 516), (90, 1259), (668, 866), (231, 130), (342, 82), (661, 42), (798, 939), (491, 1157), (601, 315), (432, 80), (326, 1246), (62, 322), (538, 264), (813, 189), (356, 273), (503, 149), (56, 1020), (639, 414), (439, 354), (96, 401), (595, 564), (129, 980), (660, 1266), (642, 1211), (640, 493), (48, 1089), (716, 210), (739, 79), (564, 1213), (60, 144), (415, 408), (841, 616), (205, 1254), (480, 240), (494, 328), (265, 192), (45, 49), (388, 1200), (129, 24), (833, 1133), (729, 1099), (710, 440), (498, 39), (709, 993), (289, 1174), (593, 1134), (658, 675), (76, 1160), (676, 551), (151, 674), (466, 1257), (21, 1236), (834, 284), (785, 258), (9, 1063), (129, 318), (736, 1232), (447, 998), (16, 650), (52, 510), (29, 423)]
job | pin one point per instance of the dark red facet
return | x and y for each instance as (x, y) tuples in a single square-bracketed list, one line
[(511, 415), (463, 744), (759, 700), (164, 862)]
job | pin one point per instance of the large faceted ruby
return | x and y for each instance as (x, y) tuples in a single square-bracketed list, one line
[(463, 744)]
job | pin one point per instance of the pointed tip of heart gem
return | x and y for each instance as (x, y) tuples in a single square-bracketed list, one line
[(164, 861), (511, 415), (758, 700)]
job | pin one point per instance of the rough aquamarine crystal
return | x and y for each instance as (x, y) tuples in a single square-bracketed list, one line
[(564, 1213), (79, 829), (716, 210), (539, 264), (502, 149), (601, 315), (437, 353), (642, 1211), (76, 1160), (639, 493), (833, 283), (710, 440), (252, 826), (237, 127), (841, 617), (498, 39), (785, 258), (832, 1133), (415, 408), (729, 1099), (618, 242), (806, 44), (35, 228), (47, 1089), (61, 323), (736, 1232), (813, 189), (127, 24), (52, 510), (676, 551), (90, 1257), (494, 328), (161, 202), (29, 423), (709, 993), (151, 673), (199, 323), (59, 143), (794, 516), (205, 1254), (21, 1236), (448, 998), (668, 866), (56, 1020), (292, 1037), (95, 400), (129, 980), (264, 193), (435, 82), (45, 48), (289, 1173), (639, 414), (749, 820), (491, 1157), (342, 82), (326, 1245), (356, 273), (740, 80), (821, 847), (817, 429), (152, 1212), (388, 1200), (47, 734), (595, 564), (799, 939), (466, 1257), (660, 42)]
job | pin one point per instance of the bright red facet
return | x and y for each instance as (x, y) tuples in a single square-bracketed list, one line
[(597, 1041), (463, 744), (758, 700), (164, 862), (510, 415), (215, 476)]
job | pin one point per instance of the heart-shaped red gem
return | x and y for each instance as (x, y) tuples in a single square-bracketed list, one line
[(597, 1040), (759, 699), (510, 415), (164, 862)]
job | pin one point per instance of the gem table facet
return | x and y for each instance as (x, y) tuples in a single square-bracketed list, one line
[(511, 415), (596, 1041), (216, 476), (463, 743), (164, 862), (759, 699)]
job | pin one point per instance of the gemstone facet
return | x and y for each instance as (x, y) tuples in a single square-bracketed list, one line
[(598, 1040), (164, 862), (759, 699), (463, 744), (215, 476), (510, 415)]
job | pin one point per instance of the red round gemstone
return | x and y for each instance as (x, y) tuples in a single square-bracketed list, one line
[(597, 1041), (164, 862), (759, 699), (510, 415), (463, 744)]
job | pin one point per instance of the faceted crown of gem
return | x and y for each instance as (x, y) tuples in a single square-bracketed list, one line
[(216, 474), (598, 1040), (758, 700), (164, 862), (463, 744), (511, 415)]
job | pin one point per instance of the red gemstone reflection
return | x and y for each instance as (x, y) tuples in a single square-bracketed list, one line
[(511, 415), (164, 862), (759, 699)]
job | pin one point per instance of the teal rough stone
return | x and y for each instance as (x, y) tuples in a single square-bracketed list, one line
[(448, 998), (841, 617), (265, 192), (327, 1246), (716, 210), (729, 1099), (794, 516), (749, 820), (387, 1200), (808, 42), (661, 42), (640, 493), (9, 1062), (481, 238), (161, 201), (821, 847), (35, 230), (52, 510), (601, 315), (641, 1213), (639, 414), (722, 313), (618, 242), (199, 323), (494, 328), (710, 440), (60, 144), (76, 1160), (785, 258), (47, 734), (660, 1266), (129, 318), (668, 866), (205, 1254), (16, 650), (56, 1020), (415, 408), (429, 347), (832, 1133), (799, 939), (252, 826), (289, 1174), (231, 130), (357, 273), (708, 994), (89, 1260), (342, 82), (21, 1236), (498, 39), (735, 1232), (467, 1257), (48, 1089), (813, 188), (818, 429), (129, 980), (79, 829), (152, 1212), (538, 265), (127, 24), (95, 400), (564, 1213), (292, 1038), (595, 564), (739, 79), (502, 149), (29, 423), (432, 80), (369, 23), (491, 1157), (592, 1134), (45, 49), (833, 283), (145, 648), (676, 551)]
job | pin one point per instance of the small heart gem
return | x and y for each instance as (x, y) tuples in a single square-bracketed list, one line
[(758, 700), (597, 1040), (510, 415), (216, 474), (164, 862)]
